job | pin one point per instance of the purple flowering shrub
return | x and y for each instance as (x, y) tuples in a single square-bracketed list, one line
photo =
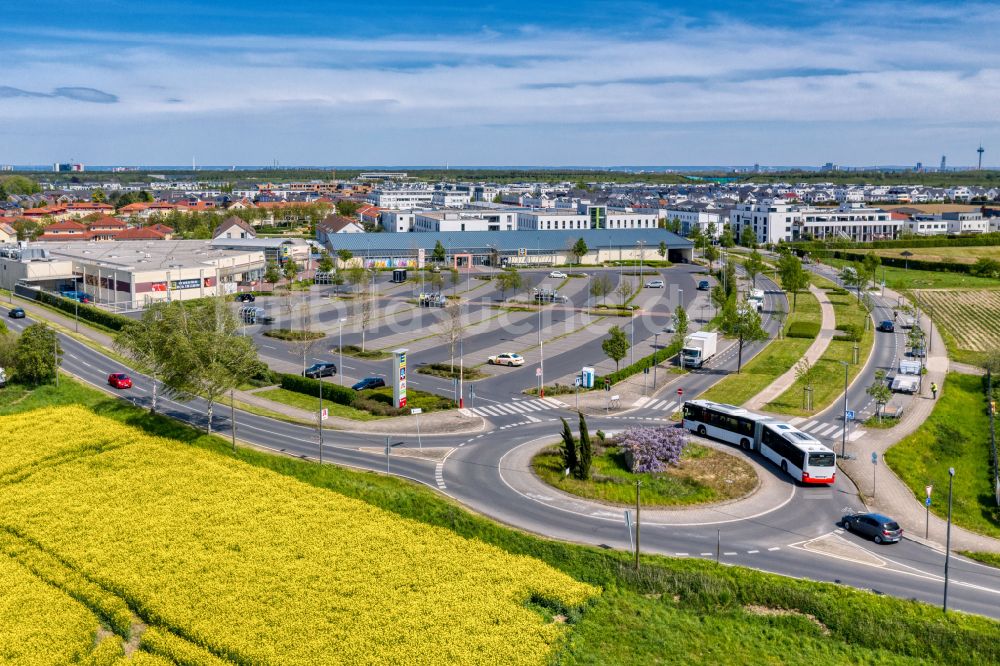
[(652, 449)]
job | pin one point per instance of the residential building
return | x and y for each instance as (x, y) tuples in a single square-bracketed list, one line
[(234, 227), (699, 216), (451, 198), (401, 199), (466, 219), (397, 220), (551, 219), (7, 233), (854, 222)]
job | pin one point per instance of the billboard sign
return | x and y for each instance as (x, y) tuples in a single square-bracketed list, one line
[(399, 378)]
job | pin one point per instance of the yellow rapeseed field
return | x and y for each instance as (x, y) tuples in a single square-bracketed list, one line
[(38, 623), (257, 567)]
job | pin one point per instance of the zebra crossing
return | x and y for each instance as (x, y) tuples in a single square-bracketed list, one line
[(826, 430), (519, 407), (669, 406)]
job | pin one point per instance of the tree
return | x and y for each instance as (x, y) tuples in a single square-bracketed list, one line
[(585, 457), (326, 262), (662, 249), (367, 310), (98, 196), (880, 392), (793, 277), (344, 256), (600, 286), (871, 263), (806, 372), (853, 276), (455, 279), (990, 362), (754, 266), (696, 235), (452, 327), (347, 208), (986, 267), (142, 342), (203, 354), (7, 342), (579, 250), (680, 324), (743, 323), (291, 269), (568, 450), (439, 252), (272, 273), (711, 231), (625, 289), (778, 314), (507, 279), (616, 345), (674, 225), (356, 275), (711, 253), (726, 240), (35, 355), (748, 238), (436, 280)]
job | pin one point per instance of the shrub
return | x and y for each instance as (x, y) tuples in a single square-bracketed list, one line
[(110, 320), (656, 357), (802, 329), (652, 449), (296, 336), (332, 392), (851, 333)]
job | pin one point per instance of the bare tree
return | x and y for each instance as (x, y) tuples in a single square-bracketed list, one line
[(625, 289), (302, 340), (366, 309), (806, 373), (451, 327)]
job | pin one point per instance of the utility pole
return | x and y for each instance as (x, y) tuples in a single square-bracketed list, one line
[(947, 547), (638, 483), (319, 420), (55, 357), (232, 414)]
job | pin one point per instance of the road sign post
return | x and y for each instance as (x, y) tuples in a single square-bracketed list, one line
[(927, 511), (874, 467), (416, 411)]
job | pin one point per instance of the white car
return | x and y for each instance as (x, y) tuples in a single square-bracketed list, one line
[(655, 284), (506, 359), (558, 274)]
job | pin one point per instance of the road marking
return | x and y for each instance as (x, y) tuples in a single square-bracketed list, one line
[(822, 432), (795, 420), (752, 552), (730, 553), (774, 548), (856, 435), (681, 555), (807, 426), (836, 433), (707, 554)]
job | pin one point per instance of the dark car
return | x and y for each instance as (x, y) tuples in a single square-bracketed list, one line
[(317, 370), (246, 298), (16, 313), (703, 285), (266, 319), (887, 326), (369, 383), (875, 526), (120, 380)]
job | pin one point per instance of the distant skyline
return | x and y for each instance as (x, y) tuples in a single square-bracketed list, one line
[(583, 83)]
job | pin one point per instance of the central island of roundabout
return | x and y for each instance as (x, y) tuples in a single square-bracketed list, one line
[(712, 483)]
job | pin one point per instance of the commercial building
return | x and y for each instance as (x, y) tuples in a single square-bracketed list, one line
[(126, 275), (401, 199), (501, 248), (469, 219)]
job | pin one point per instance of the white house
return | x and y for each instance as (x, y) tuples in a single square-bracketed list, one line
[(234, 227)]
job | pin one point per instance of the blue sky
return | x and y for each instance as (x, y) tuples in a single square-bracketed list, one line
[(557, 83)]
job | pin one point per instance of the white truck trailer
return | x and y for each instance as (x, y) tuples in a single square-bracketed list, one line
[(908, 376), (698, 348)]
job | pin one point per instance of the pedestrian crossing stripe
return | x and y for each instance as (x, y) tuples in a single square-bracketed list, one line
[(519, 407)]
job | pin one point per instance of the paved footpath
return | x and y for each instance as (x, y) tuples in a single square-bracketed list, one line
[(816, 349), (891, 495)]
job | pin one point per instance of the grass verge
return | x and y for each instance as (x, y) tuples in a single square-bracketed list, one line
[(957, 434), (311, 404), (905, 279), (703, 475), (992, 559), (774, 360), (355, 351), (448, 371), (711, 614)]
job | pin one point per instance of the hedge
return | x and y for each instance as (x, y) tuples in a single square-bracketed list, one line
[(86, 312), (902, 262), (656, 357), (332, 392), (935, 241), (802, 329)]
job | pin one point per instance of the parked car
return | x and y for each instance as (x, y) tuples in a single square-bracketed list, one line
[(266, 319), (507, 359), (886, 326), (369, 383), (655, 284), (317, 370), (16, 313), (671, 327), (246, 298), (703, 285), (874, 525), (558, 274), (119, 380)]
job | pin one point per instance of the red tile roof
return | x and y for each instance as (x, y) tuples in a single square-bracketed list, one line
[(142, 233), (64, 225)]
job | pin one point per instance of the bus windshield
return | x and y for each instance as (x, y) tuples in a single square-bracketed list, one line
[(821, 459)]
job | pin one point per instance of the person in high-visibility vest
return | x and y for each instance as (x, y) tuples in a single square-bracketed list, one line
[(934, 390)]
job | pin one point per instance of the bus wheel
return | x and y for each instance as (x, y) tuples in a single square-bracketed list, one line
[(784, 466), (701, 430), (745, 443)]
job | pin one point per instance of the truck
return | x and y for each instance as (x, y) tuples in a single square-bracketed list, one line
[(908, 376), (698, 348), (756, 299)]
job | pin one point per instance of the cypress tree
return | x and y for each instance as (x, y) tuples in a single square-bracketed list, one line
[(585, 455), (570, 461)]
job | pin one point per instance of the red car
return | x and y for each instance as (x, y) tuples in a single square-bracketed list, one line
[(120, 380)]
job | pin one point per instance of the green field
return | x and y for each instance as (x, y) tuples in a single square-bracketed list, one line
[(902, 279), (685, 611), (829, 381), (773, 361), (968, 320), (962, 255), (956, 435), (704, 475)]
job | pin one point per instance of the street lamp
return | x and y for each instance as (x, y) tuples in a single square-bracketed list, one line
[(843, 433), (340, 348), (947, 545)]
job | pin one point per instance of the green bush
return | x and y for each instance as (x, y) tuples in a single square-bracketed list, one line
[(851, 333), (802, 329), (332, 392), (110, 320), (293, 336)]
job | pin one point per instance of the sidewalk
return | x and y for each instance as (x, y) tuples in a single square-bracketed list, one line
[(892, 496), (816, 349)]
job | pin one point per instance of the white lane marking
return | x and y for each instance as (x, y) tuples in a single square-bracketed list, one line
[(856, 435), (807, 426), (823, 432), (752, 552), (731, 552), (774, 548), (795, 421), (836, 433)]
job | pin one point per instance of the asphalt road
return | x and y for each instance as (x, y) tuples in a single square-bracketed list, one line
[(797, 538)]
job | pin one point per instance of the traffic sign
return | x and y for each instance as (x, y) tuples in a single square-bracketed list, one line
[(416, 410), (928, 490), (927, 502), (577, 382), (324, 415), (874, 458), (850, 414), (538, 372), (680, 391), (645, 371)]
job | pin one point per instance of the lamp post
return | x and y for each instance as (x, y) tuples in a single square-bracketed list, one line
[(843, 433), (541, 357), (947, 545), (340, 348), (319, 419)]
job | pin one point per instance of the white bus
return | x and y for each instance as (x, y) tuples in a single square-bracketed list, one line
[(796, 453)]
